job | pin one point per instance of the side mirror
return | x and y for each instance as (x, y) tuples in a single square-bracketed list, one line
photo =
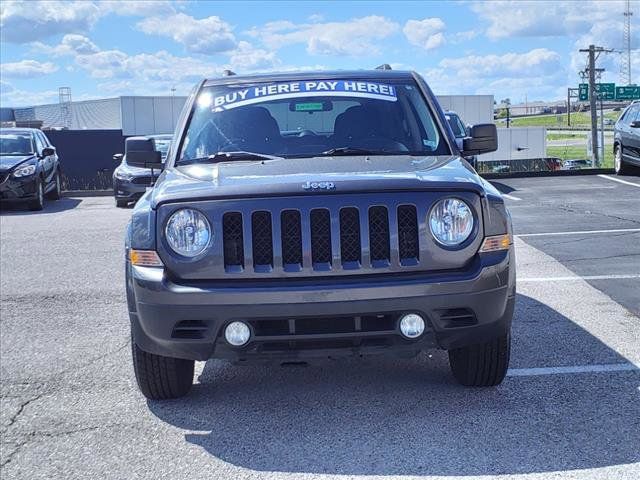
[(141, 152), (635, 124), (483, 139), (118, 157), (48, 151)]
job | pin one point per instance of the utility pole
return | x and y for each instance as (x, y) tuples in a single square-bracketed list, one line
[(592, 50)]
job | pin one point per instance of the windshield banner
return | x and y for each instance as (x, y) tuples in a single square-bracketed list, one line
[(278, 91)]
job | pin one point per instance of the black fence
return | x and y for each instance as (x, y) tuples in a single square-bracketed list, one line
[(86, 157)]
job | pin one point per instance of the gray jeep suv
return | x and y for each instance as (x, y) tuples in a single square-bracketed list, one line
[(317, 215)]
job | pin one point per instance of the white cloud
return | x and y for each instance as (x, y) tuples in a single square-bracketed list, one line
[(14, 97), (427, 33), (536, 73), (27, 69), (23, 22), (359, 36), (508, 18), (71, 44), (206, 35), (27, 21), (246, 58)]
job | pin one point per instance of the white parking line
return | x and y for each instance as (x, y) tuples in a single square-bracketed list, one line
[(619, 180), (511, 197), (612, 367), (576, 278), (583, 232)]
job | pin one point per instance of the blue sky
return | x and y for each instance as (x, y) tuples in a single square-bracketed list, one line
[(512, 49)]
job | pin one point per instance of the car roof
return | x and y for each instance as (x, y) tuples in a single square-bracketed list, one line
[(320, 75), (19, 130)]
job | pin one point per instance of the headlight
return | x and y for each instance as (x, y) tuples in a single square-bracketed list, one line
[(120, 175), (451, 222), (188, 232), (25, 171)]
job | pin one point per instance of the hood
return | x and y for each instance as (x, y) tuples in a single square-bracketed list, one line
[(7, 162), (337, 175)]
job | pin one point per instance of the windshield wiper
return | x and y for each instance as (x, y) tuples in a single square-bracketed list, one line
[(350, 151), (230, 156)]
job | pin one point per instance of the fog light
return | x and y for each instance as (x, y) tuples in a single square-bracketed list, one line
[(237, 333), (412, 325)]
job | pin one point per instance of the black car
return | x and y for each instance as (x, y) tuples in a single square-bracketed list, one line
[(129, 183), (317, 215), (29, 168), (626, 141)]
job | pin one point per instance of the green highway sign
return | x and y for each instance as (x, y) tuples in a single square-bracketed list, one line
[(609, 91), (631, 92), (583, 92)]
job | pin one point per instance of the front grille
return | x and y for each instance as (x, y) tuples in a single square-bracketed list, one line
[(233, 240), (291, 235), (323, 325), (143, 180), (379, 234), (408, 232), (346, 238), (320, 236), (350, 244), (262, 239)]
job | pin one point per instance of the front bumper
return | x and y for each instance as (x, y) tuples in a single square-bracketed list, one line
[(18, 189), (187, 320), (127, 190)]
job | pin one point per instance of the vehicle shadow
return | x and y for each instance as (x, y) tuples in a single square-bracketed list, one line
[(57, 206), (382, 416)]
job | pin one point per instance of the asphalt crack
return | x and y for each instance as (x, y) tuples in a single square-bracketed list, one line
[(31, 436)]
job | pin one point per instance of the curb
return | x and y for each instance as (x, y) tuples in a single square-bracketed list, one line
[(87, 193)]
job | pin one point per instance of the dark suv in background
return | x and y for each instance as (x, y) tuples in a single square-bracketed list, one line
[(626, 142), (129, 183), (29, 168)]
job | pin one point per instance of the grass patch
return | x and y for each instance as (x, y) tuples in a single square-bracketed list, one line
[(577, 152), (565, 136), (578, 119)]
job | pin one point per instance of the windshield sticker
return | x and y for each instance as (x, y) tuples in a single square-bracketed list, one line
[(279, 91)]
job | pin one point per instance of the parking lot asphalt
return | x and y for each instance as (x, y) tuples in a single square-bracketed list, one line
[(570, 407)]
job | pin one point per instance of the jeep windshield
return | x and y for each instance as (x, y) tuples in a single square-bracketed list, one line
[(311, 118)]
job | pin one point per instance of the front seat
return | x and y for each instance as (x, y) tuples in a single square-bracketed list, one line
[(355, 123), (248, 128)]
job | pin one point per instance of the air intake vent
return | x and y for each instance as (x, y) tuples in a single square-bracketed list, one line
[(233, 240), (262, 239), (320, 236), (189, 329), (350, 244), (408, 233), (291, 238), (379, 236), (457, 317)]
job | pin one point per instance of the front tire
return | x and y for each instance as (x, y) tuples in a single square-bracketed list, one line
[(482, 365), (619, 166), (37, 203), (121, 203), (56, 193), (159, 377)]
